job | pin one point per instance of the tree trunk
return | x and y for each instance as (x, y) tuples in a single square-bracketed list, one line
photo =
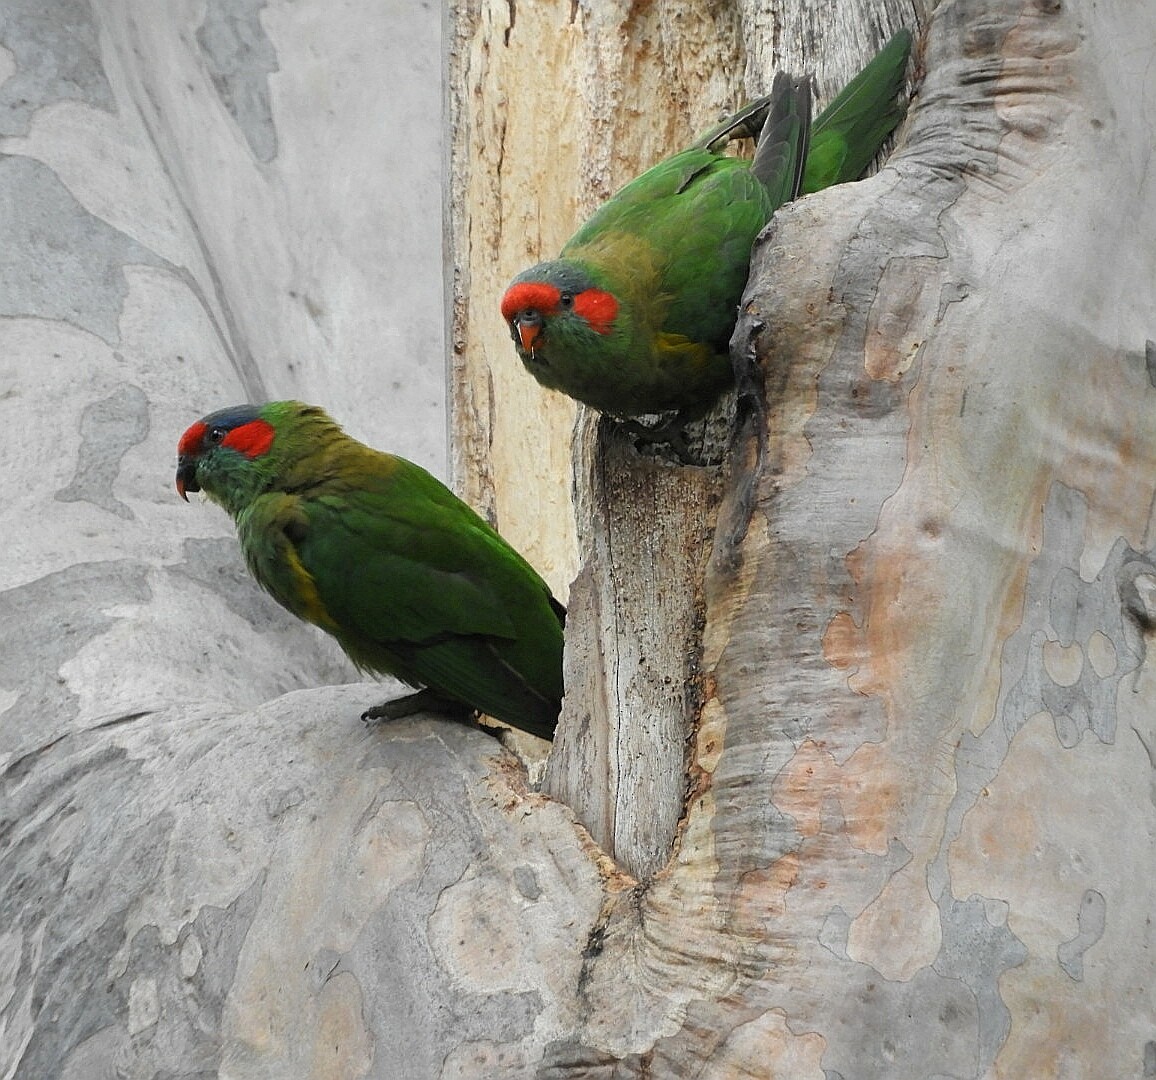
[(850, 716)]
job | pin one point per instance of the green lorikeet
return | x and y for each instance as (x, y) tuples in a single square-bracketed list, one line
[(636, 314), (376, 551)]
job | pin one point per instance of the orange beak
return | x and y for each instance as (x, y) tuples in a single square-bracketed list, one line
[(527, 327), (528, 334)]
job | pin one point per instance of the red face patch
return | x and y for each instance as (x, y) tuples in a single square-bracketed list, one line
[(529, 294), (252, 439), (598, 308)]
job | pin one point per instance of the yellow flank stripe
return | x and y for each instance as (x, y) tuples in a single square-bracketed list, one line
[(308, 599), (682, 346)]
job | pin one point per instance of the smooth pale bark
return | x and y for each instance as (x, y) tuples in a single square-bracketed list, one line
[(917, 834)]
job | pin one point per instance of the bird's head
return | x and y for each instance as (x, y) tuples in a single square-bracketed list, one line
[(552, 305), (222, 455)]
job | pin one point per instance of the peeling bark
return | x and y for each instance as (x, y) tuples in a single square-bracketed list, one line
[(634, 649)]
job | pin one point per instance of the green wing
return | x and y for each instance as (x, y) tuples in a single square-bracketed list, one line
[(849, 132), (677, 240), (665, 191), (691, 219), (413, 583)]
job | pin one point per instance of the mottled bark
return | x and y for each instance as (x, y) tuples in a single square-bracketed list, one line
[(931, 576), (627, 84)]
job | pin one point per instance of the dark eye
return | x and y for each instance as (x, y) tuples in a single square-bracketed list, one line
[(216, 434), (566, 300)]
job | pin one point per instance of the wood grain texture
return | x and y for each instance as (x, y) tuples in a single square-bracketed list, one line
[(634, 649)]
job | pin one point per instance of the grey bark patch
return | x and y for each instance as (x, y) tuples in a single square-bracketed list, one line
[(1137, 584), (1061, 607), (879, 1029), (88, 1061), (323, 966), (1090, 921), (1150, 360), (526, 882), (155, 985), (977, 953), (1150, 750), (56, 50), (58, 261), (835, 932), (414, 981), (85, 813), (45, 623), (240, 58), (84, 923), (218, 565), (109, 428)]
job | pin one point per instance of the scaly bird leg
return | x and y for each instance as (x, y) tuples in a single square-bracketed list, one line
[(422, 701), (429, 701)]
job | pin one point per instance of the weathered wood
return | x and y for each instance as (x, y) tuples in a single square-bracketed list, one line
[(553, 108), (633, 648), (918, 591), (628, 85), (533, 157)]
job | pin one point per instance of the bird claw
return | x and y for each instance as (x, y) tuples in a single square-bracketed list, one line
[(668, 432)]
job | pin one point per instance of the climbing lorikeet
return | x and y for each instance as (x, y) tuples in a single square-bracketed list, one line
[(376, 551), (636, 314)]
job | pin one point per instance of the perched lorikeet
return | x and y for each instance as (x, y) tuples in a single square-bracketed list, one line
[(376, 551), (636, 314)]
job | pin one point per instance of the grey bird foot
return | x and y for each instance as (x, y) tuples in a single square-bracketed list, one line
[(424, 701)]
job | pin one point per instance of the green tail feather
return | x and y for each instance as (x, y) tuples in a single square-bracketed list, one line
[(849, 132), (843, 140)]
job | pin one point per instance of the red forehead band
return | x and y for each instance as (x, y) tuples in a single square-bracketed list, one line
[(191, 439), (529, 294)]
